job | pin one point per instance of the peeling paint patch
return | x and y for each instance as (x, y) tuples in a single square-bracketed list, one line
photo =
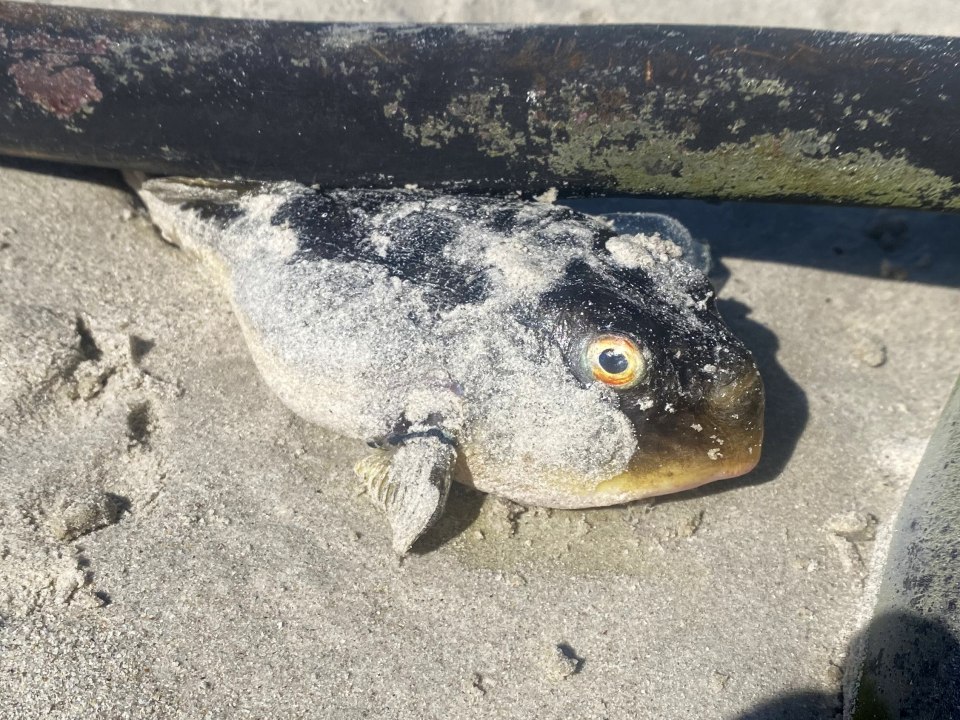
[(48, 74), (55, 85)]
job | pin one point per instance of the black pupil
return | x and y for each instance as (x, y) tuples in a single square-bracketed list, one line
[(613, 362)]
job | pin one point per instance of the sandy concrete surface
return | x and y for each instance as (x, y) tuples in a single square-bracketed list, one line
[(931, 17), (176, 544)]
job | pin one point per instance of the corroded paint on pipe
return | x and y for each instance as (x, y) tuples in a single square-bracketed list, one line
[(704, 112)]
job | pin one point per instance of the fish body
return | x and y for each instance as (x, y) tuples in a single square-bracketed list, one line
[(522, 348)]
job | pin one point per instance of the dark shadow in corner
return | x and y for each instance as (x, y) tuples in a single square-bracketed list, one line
[(809, 705), (911, 665), (912, 670)]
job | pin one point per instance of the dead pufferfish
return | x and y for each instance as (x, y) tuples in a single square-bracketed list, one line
[(521, 348)]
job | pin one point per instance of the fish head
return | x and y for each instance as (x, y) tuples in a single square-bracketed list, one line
[(680, 396)]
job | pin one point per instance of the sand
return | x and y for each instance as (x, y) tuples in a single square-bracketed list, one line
[(175, 543)]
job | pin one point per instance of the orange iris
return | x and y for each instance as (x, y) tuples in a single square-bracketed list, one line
[(615, 360)]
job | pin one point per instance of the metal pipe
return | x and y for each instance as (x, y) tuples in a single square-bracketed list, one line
[(717, 112)]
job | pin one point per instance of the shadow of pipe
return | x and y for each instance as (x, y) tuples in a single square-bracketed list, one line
[(908, 245)]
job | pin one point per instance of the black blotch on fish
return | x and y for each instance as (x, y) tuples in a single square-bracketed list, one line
[(328, 228), (415, 239)]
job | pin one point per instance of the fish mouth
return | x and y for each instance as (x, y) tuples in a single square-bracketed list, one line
[(716, 439), (721, 437), (646, 477)]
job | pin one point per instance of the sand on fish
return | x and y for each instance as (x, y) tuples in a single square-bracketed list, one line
[(175, 543)]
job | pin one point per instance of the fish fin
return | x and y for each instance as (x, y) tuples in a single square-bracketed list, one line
[(177, 190), (373, 469), (410, 484), (693, 252), (192, 213)]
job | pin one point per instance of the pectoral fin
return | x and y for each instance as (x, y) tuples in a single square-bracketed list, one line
[(410, 484)]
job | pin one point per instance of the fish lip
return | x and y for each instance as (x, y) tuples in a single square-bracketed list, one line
[(568, 492), (727, 443), (633, 485)]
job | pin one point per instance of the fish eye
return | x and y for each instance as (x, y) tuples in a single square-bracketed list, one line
[(615, 360)]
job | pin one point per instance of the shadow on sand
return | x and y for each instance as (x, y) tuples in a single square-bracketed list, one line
[(99, 176), (786, 410), (920, 678)]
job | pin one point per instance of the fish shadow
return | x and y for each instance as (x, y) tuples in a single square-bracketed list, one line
[(786, 408), (462, 509)]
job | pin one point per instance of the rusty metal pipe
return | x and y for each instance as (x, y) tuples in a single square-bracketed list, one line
[(714, 112)]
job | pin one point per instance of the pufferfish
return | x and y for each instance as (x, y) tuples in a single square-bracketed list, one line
[(522, 348)]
